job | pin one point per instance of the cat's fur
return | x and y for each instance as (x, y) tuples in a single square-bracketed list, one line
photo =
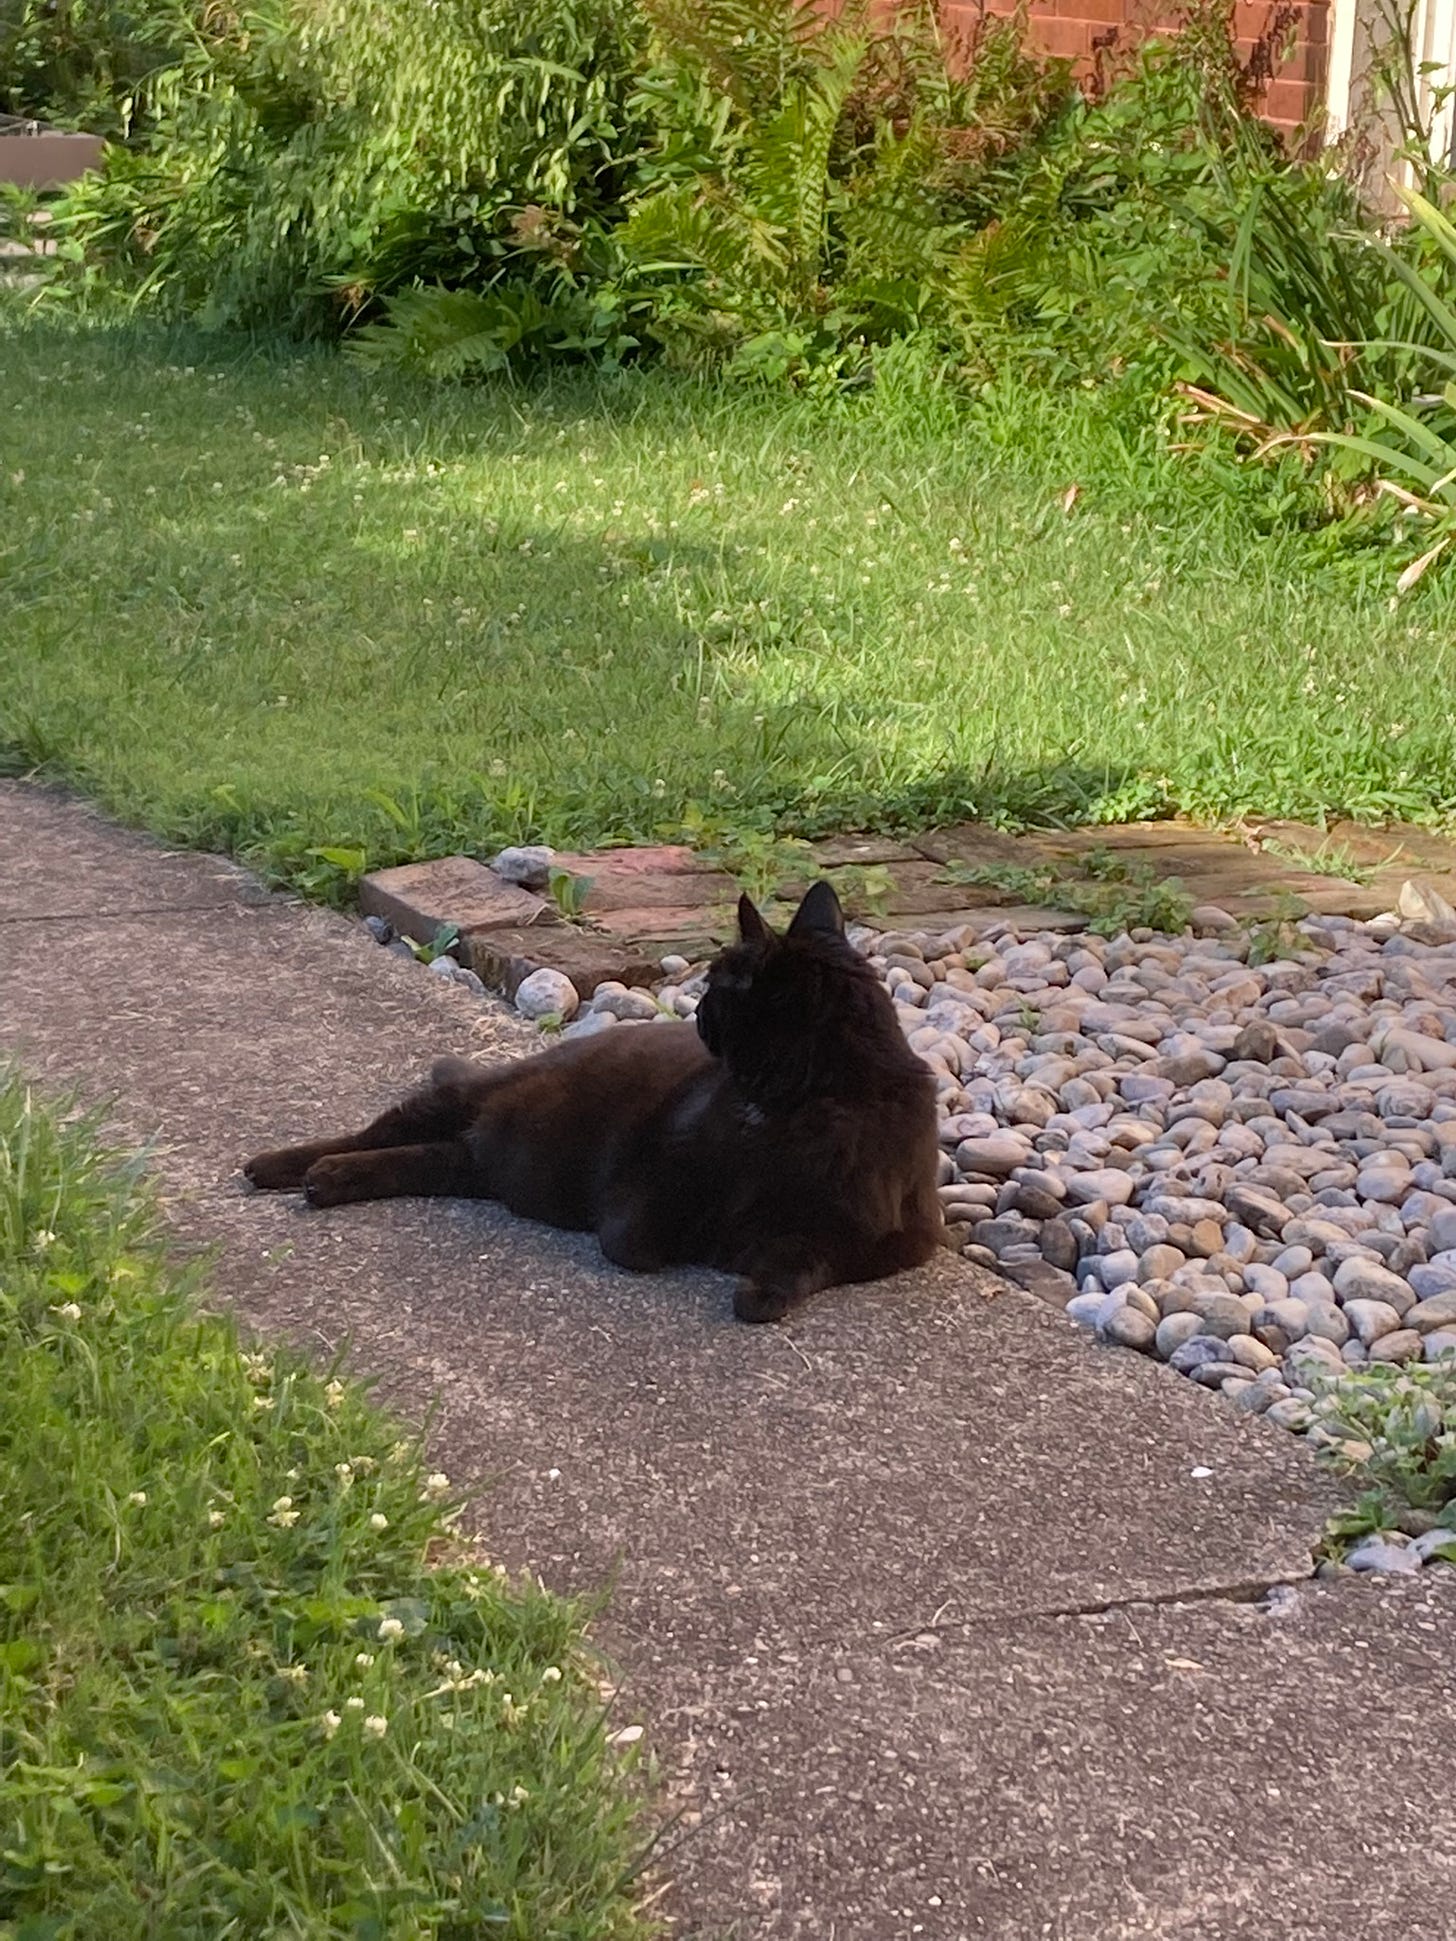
[(789, 1138)]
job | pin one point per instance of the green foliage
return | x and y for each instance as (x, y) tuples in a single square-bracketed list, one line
[(569, 893), (290, 165), (1116, 232), (78, 63), (1115, 893), (442, 333), (1330, 858), (748, 848), (442, 944), (1276, 935), (1400, 1426), (814, 181), (247, 1673), (1352, 335)]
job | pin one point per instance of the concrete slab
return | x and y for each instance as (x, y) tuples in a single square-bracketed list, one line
[(1206, 1771), (942, 1442), (848, 1554), (61, 858)]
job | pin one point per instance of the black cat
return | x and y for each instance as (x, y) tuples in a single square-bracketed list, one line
[(790, 1138)]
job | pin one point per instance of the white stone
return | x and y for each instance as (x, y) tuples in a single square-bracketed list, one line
[(547, 993)]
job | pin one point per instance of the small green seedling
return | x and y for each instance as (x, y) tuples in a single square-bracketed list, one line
[(569, 893), (442, 944)]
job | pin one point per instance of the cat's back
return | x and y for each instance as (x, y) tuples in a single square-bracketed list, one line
[(590, 1085), (550, 1131)]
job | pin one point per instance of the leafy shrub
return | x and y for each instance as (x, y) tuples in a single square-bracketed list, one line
[(815, 184), (77, 62), (1118, 231), (290, 165), (444, 333), (1336, 326)]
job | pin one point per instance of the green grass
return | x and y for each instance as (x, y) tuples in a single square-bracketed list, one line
[(236, 1697), (262, 601)]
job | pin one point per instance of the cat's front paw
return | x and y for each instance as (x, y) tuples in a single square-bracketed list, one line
[(754, 1303), (276, 1172)]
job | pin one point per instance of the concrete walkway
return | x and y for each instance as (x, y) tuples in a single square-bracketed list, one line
[(937, 1627)]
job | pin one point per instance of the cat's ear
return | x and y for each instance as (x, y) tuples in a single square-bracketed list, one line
[(819, 915), (751, 926)]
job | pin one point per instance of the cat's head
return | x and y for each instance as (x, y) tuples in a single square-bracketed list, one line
[(776, 1008)]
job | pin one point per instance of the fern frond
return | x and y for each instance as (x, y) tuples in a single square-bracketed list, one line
[(787, 166), (707, 228)]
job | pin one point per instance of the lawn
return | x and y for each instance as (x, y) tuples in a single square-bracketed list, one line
[(239, 1694), (261, 600)]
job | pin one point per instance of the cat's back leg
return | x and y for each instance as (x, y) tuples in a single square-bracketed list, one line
[(441, 1169), (438, 1111)]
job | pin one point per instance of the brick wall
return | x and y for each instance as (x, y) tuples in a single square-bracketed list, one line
[(1077, 28)]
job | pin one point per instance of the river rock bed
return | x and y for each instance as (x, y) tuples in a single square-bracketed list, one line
[(1245, 1169)]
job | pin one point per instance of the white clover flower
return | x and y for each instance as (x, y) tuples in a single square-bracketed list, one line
[(284, 1515), (260, 1402), (376, 1725), (518, 1796), (378, 1521), (551, 1675), (345, 1473), (329, 1724), (390, 1628), (401, 1452), (363, 1465), (293, 1674), (139, 1497), (437, 1483), (42, 1238), (354, 1704), (68, 1311), (363, 1660), (215, 1519)]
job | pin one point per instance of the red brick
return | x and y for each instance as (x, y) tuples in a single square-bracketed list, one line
[(867, 851), (613, 892), (692, 930), (1065, 39), (1252, 22), (1306, 63), (655, 859), (504, 958), (418, 898), (1290, 101), (1098, 13)]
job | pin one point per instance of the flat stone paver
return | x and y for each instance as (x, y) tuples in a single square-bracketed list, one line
[(847, 1555), (640, 904)]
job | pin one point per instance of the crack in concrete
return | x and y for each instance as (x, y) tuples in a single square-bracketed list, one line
[(1250, 1590), (1241, 1591)]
